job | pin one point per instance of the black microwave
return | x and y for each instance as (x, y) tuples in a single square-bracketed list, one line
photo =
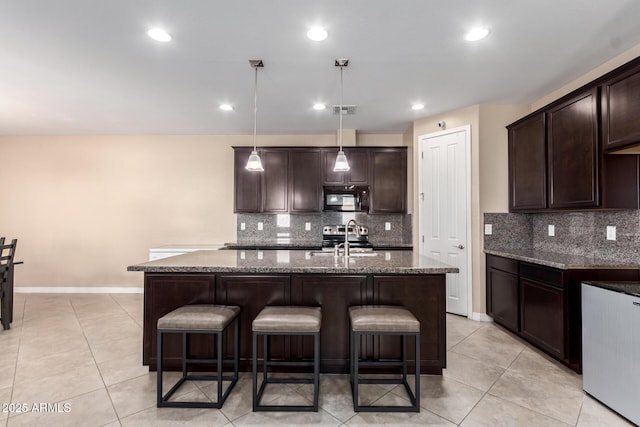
[(349, 198)]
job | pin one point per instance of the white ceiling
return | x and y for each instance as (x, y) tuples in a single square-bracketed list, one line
[(88, 67)]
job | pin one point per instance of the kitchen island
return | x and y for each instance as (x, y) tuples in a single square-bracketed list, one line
[(253, 279)]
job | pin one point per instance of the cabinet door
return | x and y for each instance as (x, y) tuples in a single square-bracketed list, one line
[(163, 294), (335, 294), (359, 164), (388, 180), (572, 138), (528, 165), (425, 297), (502, 298), (247, 184), (542, 316), (252, 293), (305, 191), (621, 110), (275, 190), (358, 174)]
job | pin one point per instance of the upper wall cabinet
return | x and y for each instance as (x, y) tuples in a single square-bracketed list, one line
[(621, 110), (290, 181), (275, 180), (305, 191), (572, 149), (527, 164), (388, 180), (247, 185), (358, 174), (558, 155)]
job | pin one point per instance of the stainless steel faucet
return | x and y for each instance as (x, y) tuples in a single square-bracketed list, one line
[(346, 235)]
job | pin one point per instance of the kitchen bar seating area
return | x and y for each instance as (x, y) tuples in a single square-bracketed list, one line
[(491, 374)]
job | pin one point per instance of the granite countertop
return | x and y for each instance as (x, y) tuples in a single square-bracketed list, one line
[(188, 248), (560, 261), (295, 261), (629, 288)]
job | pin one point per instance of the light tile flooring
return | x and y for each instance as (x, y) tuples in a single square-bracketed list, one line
[(83, 352)]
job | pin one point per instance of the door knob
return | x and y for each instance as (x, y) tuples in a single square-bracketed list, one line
[(460, 246)]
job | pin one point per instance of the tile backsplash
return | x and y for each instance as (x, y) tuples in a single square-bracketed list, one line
[(575, 233), (294, 227)]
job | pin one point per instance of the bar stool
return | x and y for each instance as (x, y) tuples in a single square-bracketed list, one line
[(199, 319), (384, 320), (286, 320)]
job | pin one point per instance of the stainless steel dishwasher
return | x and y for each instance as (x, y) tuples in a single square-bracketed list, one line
[(611, 345)]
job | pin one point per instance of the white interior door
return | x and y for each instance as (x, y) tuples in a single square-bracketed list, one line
[(445, 207)]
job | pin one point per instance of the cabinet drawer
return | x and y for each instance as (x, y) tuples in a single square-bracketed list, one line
[(551, 276), (504, 264)]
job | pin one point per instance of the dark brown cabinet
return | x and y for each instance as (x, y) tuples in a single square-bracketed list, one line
[(388, 180), (528, 164), (621, 109), (358, 174), (428, 307), (305, 191), (247, 184), (184, 289), (543, 308), (572, 149), (275, 180), (290, 181), (503, 292), (546, 303), (424, 295), (335, 294)]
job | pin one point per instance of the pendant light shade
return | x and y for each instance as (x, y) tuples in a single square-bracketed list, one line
[(341, 165), (254, 164)]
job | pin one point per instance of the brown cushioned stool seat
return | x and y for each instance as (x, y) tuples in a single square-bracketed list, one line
[(199, 319), (286, 320), (381, 320)]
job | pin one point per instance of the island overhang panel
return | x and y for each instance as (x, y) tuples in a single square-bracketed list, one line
[(254, 279)]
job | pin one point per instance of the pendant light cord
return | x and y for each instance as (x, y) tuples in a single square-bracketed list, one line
[(255, 108), (340, 112)]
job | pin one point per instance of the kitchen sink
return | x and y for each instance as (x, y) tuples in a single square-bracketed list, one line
[(352, 254)]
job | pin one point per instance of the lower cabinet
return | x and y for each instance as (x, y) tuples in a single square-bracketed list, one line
[(503, 291), (184, 289), (542, 309), (424, 295), (335, 294), (427, 301), (542, 304)]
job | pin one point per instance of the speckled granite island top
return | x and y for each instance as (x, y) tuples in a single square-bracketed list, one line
[(296, 261), (560, 261)]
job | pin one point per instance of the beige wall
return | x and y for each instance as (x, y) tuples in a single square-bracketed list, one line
[(85, 207)]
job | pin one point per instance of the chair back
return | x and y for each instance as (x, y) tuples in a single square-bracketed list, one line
[(7, 251)]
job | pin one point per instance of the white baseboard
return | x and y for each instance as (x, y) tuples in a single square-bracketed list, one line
[(76, 290), (481, 317)]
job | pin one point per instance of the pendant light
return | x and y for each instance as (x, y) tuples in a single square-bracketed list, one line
[(341, 165), (254, 164)]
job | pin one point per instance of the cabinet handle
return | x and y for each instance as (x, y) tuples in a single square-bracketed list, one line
[(460, 246), (636, 303)]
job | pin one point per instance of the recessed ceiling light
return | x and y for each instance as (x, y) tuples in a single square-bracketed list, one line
[(158, 34), (476, 34), (226, 107), (417, 106), (319, 106), (317, 34)]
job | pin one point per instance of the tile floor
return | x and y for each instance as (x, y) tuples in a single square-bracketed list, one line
[(83, 352)]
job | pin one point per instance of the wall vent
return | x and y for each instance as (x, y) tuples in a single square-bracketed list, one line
[(346, 109)]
